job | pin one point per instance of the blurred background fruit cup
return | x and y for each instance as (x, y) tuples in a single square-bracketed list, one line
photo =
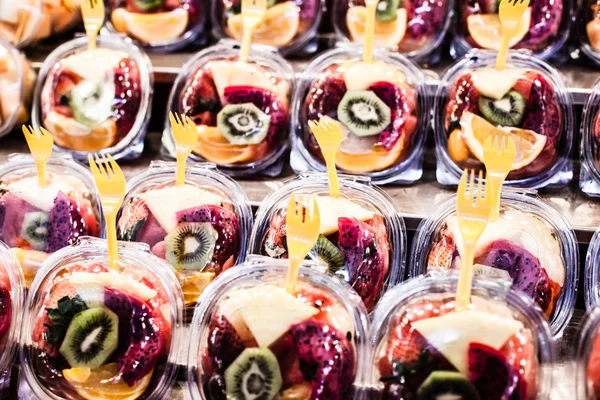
[(589, 176), (20, 21)]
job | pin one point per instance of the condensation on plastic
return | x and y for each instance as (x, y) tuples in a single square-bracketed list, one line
[(589, 175), (356, 189), (33, 11), (132, 145), (439, 286), (527, 202), (409, 169), (264, 56), (587, 350), (91, 251), (259, 270), (191, 33), (17, 87), (448, 172)]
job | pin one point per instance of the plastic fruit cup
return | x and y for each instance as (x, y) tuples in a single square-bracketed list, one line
[(500, 347), (310, 344), (362, 240), (592, 273), (588, 357), (57, 17), (588, 30), (94, 333), (20, 21), (16, 82), (589, 177)]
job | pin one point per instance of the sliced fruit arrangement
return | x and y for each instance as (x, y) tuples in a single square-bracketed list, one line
[(240, 110), (90, 100), (353, 244), (518, 102), (298, 349), (433, 352), (373, 104), (15, 97)]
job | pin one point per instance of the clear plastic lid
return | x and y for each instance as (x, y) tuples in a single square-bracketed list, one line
[(95, 101), (592, 273), (20, 21), (588, 357), (589, 176), (387, 143), (528, 99), (12, 86), (500, 348), (311, 344), (362, 239), (288, 25), (158, 25), (90, 332), (412, 27), (201, 228), (544, 31), (241, 109), (36, 221), (531, 246)]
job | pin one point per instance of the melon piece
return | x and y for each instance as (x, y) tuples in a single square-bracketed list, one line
[(114, 280), (331, 209), (495, 83), (361, 75)]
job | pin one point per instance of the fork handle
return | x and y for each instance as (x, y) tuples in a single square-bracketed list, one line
[(463, 291), (503, 52), (370, 32), (111, 236), (180, 178), (41, 169), (246, 40), (292, 274), (334, 183), (92, 34), (495, 187)]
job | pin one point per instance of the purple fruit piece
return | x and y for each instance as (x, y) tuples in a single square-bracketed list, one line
[(326, 359), (325, 94), (12, 219), (5, 311), (128, 94), (223, 221), (543, 113), (462, 97), (308, 10), (400, 107), (60, 225), (151, 232), (160, 250), (545, 21), (140, 341), (200, 100), (224, 343), (266, 101), (425, 18), (491, 374)]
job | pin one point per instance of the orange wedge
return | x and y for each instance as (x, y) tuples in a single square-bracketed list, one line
[(71, 134), (277, 29), (371, 161), (151, 28), (386, 33), (486, 31), (194, 285), (216, 148), (593, 32), (457, 147), (104, 383)]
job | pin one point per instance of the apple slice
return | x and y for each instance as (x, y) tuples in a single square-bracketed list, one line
[(237, 73), (331, 209), (361, 75), (115, 281), (495, 83)]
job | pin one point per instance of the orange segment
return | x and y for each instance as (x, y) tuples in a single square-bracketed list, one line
[(151, 28), (593, 32), (386, 33), (71, 134), (194, 285), (457, 147), (216, 148), (371, 161), (486, 31), (104, 383), (277, 29)]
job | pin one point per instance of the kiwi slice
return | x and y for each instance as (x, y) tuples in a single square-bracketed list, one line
[(254, 374), (35, 229), (191, 245), (508, 111), (447, 384), (328, 253), (91, 102), (363, 113), (91, 338), (147, 5), (243, 123), (386, 10)]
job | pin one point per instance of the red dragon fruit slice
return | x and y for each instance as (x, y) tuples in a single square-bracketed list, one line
[(66, 223), (266, 101), (151, 231), (5, 311), (425, 18), (546, 16), (11, 218), (140, 341), (543, 113), (128, 94), (325, 94), (326, 359), (224, 343), (200, 99), (491, 374), (462, 97), (397, 100)]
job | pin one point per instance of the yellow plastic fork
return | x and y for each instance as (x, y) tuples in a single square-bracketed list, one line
[(498, 155), (329, 137), (472, 213), (511, 19), (40, 144), (110, 182), (370, 30), (186, 137), (302, 234), (93, 19), (253, 12)]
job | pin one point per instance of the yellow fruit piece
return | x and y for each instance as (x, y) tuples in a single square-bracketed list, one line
[(486, 31), (386, 33), (216, 148), (457, 147), (371, 161), (277, 29), (593, 32), (300, 391), (71, 134), (151, 28), (104, 383), (194, 285)]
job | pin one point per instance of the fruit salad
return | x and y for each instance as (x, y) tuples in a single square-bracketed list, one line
[(305, 347), (588, 355), (158, 23), (20, 21)]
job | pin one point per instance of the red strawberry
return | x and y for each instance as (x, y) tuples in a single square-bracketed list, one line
[(224, 343), (520, 353), (317, 298), (200, 100)]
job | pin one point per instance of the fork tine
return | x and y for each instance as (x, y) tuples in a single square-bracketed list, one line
[(462, 185), (471, 184), (291, 212), (100, 166), (316, 214), (108, 166), (26, 131), (114, 165), (93, 166), (480, 188)]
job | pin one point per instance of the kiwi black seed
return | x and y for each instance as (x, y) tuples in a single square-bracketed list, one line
[(191, 245), (364, 113), (91, 338), (386, 10), (254, 374), (35, 229), (243, 123), (327, 252), (447, 383), (508, 111)]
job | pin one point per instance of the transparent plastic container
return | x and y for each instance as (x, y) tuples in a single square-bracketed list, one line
[(545, 31), (500, 347), (528, 99), (389, 151), (370, 251), (85, 113), (325, 347), (531, 246), (588, 29), (415, 28), (36, 221), (158, 25), (288, 25), (138, 310), (14, 70), (213, 87), (589, 175), (57, 17), (201, 228), (592, 273), (588, 353), (20, 21)]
